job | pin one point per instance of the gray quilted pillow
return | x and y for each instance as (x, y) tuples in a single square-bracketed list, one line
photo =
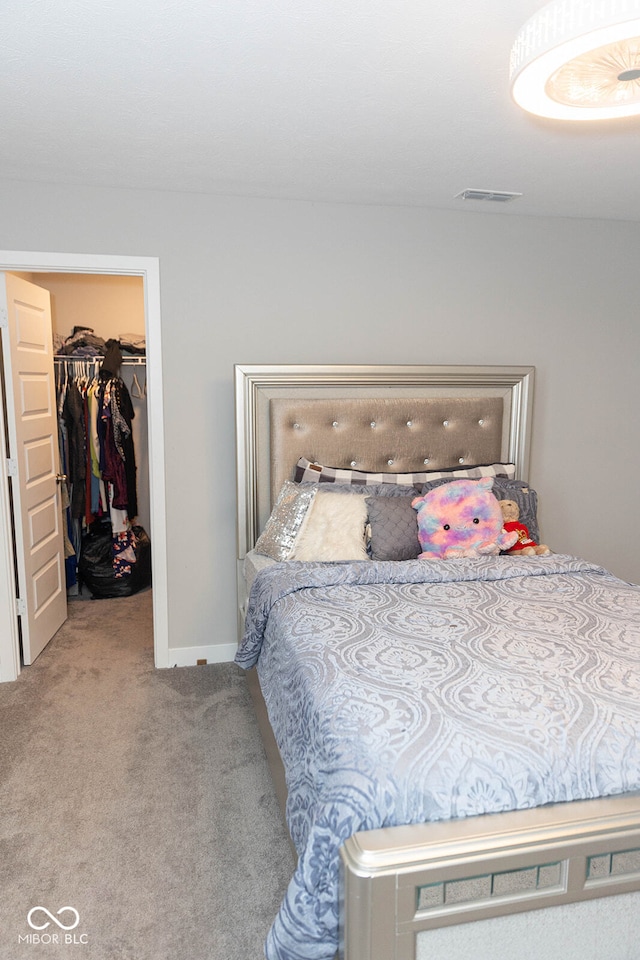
[(393, 528)]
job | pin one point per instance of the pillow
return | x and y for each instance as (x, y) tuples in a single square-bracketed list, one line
[(309, 472), (286, 521), (393, 528), (334, 529), (503, 489), (367, 489)]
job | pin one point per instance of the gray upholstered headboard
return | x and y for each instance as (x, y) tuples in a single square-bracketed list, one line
[(384, 434), (382, 418)]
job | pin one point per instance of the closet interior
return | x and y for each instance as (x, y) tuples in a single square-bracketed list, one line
[(100, 376)]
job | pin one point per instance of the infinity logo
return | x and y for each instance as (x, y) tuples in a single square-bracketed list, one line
[(43, 926)]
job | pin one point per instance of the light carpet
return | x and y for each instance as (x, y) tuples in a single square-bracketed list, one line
[(139, 799)]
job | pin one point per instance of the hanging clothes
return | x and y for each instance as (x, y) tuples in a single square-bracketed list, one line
[(74, 419), (95, 417), (115, 439)]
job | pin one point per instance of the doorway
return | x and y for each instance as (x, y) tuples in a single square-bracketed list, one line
[(148, 269)]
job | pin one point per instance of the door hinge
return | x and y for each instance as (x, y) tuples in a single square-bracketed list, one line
[(12, 467), (21, 607), (4, 318)]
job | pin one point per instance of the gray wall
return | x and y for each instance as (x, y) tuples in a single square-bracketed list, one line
[(255, 281)]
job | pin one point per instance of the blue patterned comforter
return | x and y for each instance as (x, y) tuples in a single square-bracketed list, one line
[(427, 690)]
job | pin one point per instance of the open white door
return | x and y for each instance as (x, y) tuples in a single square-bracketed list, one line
[(25, 318)]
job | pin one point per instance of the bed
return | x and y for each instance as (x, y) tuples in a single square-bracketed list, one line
[(438, 795)]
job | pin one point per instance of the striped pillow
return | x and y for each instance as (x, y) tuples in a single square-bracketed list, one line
[(309, 472)]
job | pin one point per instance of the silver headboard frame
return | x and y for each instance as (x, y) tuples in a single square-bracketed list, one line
[(256, 385)]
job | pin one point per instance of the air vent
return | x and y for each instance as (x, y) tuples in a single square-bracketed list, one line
[(497, 196)]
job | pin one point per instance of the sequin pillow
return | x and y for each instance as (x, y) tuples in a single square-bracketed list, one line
[(286, 521)]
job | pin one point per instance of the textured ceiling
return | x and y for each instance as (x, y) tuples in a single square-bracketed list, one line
[(355, 101)]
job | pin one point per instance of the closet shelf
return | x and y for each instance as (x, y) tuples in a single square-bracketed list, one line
[(69, 358)]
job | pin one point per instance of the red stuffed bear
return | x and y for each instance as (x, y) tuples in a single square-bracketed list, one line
[(525, 545)]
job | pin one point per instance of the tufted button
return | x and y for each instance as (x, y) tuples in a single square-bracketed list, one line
[(426, 460), (354, 463), (481, 423), (373, 423), (390, 463), (409, 423), (445, 423), (296, 426), (335, 423), (460, 459)]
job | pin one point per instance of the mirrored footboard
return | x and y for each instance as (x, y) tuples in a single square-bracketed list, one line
[(400, 883)]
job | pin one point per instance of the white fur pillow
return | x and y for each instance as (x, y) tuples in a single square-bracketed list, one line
[(334, 529)]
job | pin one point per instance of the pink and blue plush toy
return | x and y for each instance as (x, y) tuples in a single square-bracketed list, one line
[(461, 519)]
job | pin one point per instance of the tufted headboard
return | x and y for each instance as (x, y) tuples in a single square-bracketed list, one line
[(376, 418), (382, 434)]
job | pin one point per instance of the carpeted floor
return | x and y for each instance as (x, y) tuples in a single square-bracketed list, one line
[(140, 798)]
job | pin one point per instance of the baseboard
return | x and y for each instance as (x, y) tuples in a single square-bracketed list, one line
[(214, 653)]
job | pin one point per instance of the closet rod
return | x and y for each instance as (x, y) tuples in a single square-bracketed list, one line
[(69, 358)]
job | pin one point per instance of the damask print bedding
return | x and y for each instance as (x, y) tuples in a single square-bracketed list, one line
[(428, 690)]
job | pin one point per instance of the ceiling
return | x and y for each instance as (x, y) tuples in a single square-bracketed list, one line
[(355, 101)]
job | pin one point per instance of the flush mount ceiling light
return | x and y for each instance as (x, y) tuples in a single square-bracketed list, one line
[(579, 60), (497, 196)]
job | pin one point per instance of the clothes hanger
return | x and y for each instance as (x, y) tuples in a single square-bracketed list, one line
[(136, 390)]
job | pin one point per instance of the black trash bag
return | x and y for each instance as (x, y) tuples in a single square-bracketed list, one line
[(95, 567)]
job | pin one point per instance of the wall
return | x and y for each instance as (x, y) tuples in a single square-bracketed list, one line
[(255, 281), (111, 306)]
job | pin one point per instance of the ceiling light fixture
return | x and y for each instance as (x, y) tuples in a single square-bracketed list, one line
[(498, 196), (579, 60)]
